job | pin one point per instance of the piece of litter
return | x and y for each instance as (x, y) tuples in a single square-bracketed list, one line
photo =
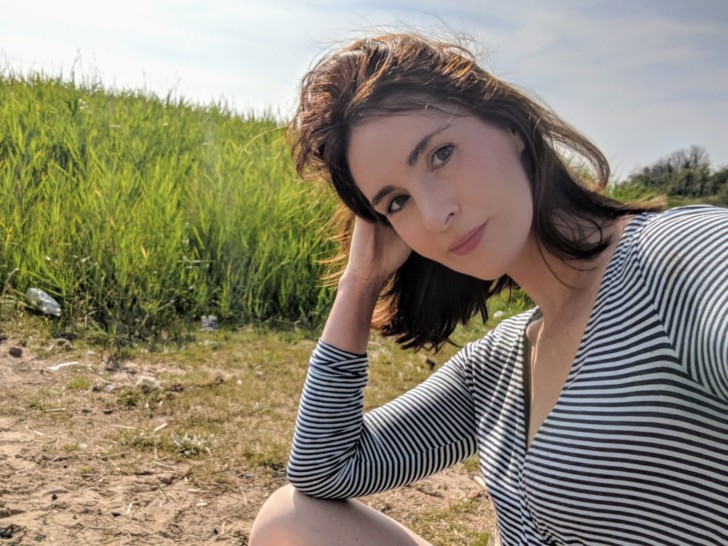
[(63, 365), (148, 383), (43, 302), (208, 323), (33, 430)]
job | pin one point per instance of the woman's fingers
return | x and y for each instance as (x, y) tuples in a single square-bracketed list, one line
[(376, 252)]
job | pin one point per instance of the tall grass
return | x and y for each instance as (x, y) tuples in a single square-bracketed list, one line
[(135, 210)]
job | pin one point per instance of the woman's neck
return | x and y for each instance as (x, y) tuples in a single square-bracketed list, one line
[(558, 286)]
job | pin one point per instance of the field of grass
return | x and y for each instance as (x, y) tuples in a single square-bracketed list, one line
[(137, 212)]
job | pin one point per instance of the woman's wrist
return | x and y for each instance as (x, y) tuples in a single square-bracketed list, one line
[(349, 322), (360, 286)]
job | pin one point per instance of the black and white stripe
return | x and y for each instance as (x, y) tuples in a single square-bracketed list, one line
[(635, 450)]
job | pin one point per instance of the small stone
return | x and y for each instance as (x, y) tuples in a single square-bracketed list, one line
[(116, 514), (17, 352)]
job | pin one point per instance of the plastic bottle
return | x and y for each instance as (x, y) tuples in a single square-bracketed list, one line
[(44, 303)]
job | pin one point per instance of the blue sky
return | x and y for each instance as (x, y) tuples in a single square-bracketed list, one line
[(642, 78)]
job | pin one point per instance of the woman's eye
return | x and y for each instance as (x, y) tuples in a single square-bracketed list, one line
[(396, 204), (441, 155)]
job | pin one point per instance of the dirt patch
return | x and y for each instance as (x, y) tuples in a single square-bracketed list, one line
[(62, 482)]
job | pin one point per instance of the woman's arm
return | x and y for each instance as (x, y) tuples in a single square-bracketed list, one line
[(337, 451), (376, 253)]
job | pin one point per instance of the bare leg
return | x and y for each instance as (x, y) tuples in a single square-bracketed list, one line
[(291, 518)]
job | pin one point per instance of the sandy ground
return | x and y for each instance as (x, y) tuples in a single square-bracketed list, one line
[(50, 494)]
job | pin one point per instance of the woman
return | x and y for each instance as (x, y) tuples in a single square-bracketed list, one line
[(600, 416)]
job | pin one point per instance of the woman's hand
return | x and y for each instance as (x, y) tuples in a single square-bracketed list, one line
[(375, 252)]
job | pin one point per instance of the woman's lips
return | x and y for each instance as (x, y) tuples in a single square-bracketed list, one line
[(468, 242)]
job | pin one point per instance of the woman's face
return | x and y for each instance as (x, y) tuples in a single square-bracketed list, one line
[(453, 188)]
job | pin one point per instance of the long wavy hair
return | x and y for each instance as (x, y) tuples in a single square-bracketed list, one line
[(393, 74)]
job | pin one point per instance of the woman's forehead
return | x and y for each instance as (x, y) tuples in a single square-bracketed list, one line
[(393, 134)]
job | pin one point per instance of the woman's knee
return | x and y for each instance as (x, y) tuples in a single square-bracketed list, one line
[(275, 518), (292, 518)]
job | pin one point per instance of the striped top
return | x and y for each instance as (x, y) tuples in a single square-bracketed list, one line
[(635, 450)]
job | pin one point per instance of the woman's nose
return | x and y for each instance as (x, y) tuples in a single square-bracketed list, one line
[(438, 212)]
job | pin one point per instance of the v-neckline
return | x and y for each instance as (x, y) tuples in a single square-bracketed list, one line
[(525, 386)]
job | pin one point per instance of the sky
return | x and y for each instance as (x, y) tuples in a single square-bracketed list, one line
[(641, 78)]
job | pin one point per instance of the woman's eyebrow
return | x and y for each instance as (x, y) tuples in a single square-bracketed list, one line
[(422, 144), (381, 194)]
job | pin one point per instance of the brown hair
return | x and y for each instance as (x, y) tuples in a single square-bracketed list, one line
[(395, 73)]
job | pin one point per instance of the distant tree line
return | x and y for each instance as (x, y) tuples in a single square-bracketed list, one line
[(683, 176)]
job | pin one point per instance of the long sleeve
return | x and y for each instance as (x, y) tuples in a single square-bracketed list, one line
[(340, 452)]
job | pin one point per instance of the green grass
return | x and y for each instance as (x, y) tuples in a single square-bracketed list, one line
[(136, 211), (80, 382), (447, 522)]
